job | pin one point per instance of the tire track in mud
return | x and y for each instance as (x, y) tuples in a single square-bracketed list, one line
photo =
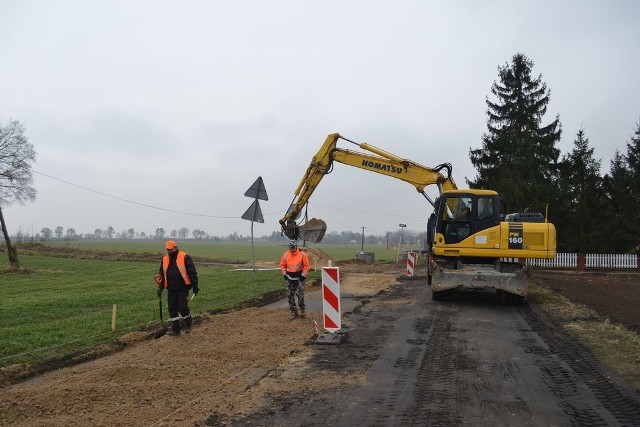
[(432, 405), (618, 405), (470, 362)]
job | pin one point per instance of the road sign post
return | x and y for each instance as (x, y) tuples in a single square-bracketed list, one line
[(254, 213)]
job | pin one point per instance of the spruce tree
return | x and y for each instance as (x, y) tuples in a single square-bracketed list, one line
[(518, 157), (632, 210), (618, 218), (583, 199)]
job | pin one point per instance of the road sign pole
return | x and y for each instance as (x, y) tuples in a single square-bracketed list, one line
[(253, 214)]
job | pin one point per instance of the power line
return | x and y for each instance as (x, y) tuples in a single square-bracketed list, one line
[(137, 203), (101, 193), (333, 220), (368, 212)]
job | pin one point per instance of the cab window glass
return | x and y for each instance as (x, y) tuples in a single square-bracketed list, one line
[(486, 208), (458, 209)]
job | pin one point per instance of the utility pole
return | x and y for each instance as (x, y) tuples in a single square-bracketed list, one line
[(362, 245), (402, 226)]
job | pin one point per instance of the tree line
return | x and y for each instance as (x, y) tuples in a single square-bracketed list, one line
[(392, 238), (110, 233), (593, 213)]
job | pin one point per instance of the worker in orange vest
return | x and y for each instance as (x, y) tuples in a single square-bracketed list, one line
[(294, 267), (178, 275)]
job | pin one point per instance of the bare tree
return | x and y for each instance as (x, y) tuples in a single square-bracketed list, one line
[(183, 232), (46, 234), (16, 177), (160, 233), (58, 232), (71, 234), (199, 234)]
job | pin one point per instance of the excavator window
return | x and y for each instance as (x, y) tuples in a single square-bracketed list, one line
[(457, 218), (485, 208), (462, 215)]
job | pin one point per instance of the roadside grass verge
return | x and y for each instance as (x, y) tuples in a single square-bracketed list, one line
[(56, 306), (615, 346), (61, 300)]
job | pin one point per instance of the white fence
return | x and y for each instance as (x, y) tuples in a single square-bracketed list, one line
[(602, 261)]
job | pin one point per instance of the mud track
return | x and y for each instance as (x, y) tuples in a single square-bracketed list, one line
[(472, 362)]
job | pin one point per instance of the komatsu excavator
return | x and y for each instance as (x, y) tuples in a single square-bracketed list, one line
[(473, 245)]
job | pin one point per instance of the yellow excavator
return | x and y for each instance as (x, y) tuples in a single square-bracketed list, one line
[(473, 245)]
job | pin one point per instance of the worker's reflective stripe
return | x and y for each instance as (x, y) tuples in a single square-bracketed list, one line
[(175, 319), (182, 268)]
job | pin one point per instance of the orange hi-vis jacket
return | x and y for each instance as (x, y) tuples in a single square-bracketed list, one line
[(294, 262), (181, 267)]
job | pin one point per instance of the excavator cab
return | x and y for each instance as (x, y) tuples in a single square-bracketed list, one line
[(462, 213)]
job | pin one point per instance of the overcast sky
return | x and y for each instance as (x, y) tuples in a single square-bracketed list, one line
[(140, 108)]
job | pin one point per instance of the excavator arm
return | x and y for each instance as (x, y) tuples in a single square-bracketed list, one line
[(376, 160)]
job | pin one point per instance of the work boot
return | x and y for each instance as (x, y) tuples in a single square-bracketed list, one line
[(294, 314), (175, 328), (188, 330), (302, 312)]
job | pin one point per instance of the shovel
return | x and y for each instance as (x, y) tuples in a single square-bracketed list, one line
[(163, 331)]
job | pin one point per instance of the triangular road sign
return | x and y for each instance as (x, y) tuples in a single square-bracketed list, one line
[(257, 190), (254, 213)]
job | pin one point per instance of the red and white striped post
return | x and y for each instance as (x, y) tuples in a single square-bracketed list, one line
[(411, 262), (331, 299)]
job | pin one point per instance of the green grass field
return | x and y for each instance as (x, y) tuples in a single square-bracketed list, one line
[(238, 252), (55, 306)]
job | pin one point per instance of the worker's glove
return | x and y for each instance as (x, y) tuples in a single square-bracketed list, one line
[(159, 291), (196, 290), (302, 279), (285, 276)]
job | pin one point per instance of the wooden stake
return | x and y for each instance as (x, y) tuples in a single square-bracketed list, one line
[(113, 319)]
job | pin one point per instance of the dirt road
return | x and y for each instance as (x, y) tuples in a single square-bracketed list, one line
[(408, 361), (472, 362)]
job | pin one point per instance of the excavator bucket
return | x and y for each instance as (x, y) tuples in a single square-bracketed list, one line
[(313, 230)]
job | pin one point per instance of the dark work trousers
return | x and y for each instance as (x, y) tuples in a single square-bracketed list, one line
[(178, 301), (295, 289)]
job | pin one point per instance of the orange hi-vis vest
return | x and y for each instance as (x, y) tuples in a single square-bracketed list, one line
[(181, 267), (293, 262)]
